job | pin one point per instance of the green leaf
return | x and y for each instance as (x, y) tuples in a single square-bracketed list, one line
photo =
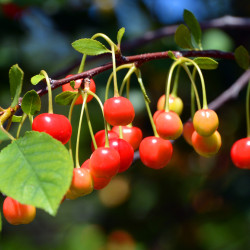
[(16, 83), (3, 136), (16, 118), (65, 98), (120, 35), (183, 37), (193, 25), (206, 63), (31, 103), (37, 170), (89, 47), (242, 57), (72, 84), (36, 79), (171, 55)]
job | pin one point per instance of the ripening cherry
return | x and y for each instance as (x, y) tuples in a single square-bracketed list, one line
[(16, 213), (206, 145), (100, 138), (58, 126), (133, 135), (240, 153), (175, 104), (98, 182), (205, 122), (125, 151), (168, 125), (188, 129), (104, 162), (155, 152), (156, 114), (78, 82), (118, 111)]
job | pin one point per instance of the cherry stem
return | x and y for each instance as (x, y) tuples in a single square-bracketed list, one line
[(176, 81), (50, 105), (81, 68), (147, 101), (24, 116), (120, 132), (84, 96), (116, 91), (192, 95), (247, 109), (126, 79), (111, 77), (7, 133)]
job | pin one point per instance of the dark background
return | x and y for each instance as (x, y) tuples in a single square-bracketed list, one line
[(194, 202)]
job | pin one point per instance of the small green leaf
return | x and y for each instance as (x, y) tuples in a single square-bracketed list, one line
[(3, 136), (36, 79), (72, 84), (89, 47), (120, 35), (171, 55), (193, 25), (31, 103), (65, 98), (242, 57), (16, 83), (16, 118), (183, 37), (206, 63), (37, 170)]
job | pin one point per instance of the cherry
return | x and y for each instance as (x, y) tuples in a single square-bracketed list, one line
[(206, 145), (125, 151), (16, 213), (58, 126), (104, 162), (82, 183), (99, 182), (133, 135), (188, 129), (118, 111), (156, 114), (205, 122), (78, 82), (155, 152), (240, 153), (175, 104), (168, 125), (100, 138)]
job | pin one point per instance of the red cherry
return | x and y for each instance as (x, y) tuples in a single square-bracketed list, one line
[(99, 182), (188, 129), (156, 114), (132, 135), (78, 82), (240, 153), (168, 125), (118, 111), (100, 138), (125, 151), (175, 104), (12, 10), (155, 152), (205, 122), (104, 162), (206, 145), (58, 126), (16, 213)]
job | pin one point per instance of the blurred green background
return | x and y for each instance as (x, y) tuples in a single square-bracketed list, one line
[(194, 202)]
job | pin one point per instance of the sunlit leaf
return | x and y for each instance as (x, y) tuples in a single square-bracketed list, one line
[(242, 57), (36, 79), (183, 37), (120, 35), (31, 103), (206, 63), (16, 118), (37, 170), (65, 98)]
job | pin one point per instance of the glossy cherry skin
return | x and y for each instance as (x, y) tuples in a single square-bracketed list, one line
[(58, 126), (205, 122), (99, 182), (156, 114), (169, 125), (104, 162), (100, 138), (79, 100), (175, 104), (240, 153), (125, 151), (16, 213), (188, 129), (155, 152), (133, 135), (206, 145), (118, 111)]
